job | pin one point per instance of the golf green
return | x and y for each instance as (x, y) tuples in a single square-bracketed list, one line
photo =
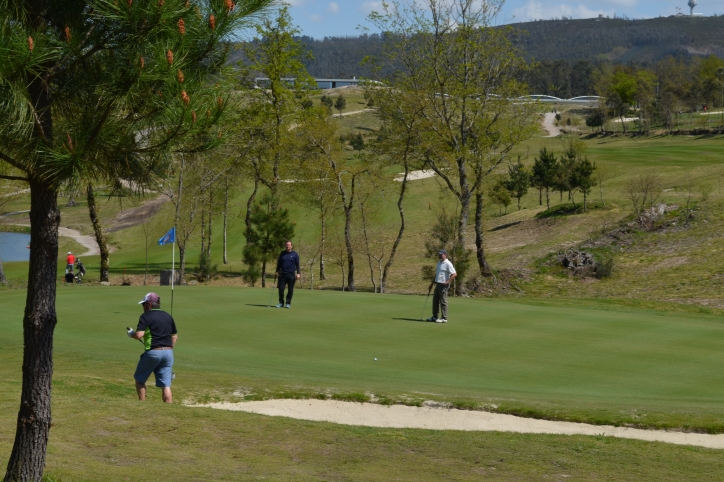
[(602, 365)]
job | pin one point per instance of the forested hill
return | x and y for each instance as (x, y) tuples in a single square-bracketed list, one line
[(617, 40), (621, 40)]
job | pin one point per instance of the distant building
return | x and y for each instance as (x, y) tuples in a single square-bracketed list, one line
[(261, 82)]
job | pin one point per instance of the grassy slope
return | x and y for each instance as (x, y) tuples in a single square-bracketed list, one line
[(636, 369)]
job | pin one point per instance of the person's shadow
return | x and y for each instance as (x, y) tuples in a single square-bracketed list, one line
[(261, 306)]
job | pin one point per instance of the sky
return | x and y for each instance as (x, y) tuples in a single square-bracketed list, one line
[(326, 18)]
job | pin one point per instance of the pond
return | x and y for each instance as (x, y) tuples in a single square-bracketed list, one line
[(13, 247)]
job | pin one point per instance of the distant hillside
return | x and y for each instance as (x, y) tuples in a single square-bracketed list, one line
[(617, 40), (621, 40)]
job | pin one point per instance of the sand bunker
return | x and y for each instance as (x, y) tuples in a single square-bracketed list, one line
[(415, 175), (399, 416)]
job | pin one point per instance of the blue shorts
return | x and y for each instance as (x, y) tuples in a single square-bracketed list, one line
[(158, 362)]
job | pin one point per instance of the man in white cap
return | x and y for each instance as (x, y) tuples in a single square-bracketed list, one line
[(69, 262), (444, 274), (157, 330)]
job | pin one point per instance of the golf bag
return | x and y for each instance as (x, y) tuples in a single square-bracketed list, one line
[(80, 272)]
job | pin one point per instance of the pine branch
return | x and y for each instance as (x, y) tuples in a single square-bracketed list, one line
[(11, 161), (14, 178)]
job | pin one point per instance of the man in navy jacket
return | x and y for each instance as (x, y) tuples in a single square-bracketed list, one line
[(288, 272)]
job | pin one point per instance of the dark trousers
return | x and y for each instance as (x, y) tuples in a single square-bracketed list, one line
[(286, 280), (439, 300)]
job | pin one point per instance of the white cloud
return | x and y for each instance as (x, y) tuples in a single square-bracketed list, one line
[(370, 6), (333, 8), (316, 18), (536, 10)]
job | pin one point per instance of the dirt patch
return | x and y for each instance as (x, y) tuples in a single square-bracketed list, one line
[(135, 216)]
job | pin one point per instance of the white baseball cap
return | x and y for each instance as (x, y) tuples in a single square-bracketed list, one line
[(152, 298)]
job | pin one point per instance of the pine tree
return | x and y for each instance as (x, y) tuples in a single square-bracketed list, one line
[(96, 90), (544, 172), (340, 104), (582, 178), (270, 229), (518, 181)]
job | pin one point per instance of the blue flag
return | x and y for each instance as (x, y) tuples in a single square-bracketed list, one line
[(169, 237)]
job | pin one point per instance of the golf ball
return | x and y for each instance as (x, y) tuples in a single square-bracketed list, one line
[(375, 359)]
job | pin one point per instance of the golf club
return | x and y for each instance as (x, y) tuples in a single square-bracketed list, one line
[(129, 330), (425, 305), (271, 295)]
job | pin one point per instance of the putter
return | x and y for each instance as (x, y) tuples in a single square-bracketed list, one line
[(425, 305), (271, 295)]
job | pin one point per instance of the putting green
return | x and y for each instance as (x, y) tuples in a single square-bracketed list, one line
[(579, 363)]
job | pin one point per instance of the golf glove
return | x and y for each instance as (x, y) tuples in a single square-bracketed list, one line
[(131, 332)]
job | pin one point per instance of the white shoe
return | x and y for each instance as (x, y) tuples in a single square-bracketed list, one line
[(432, 318), (441, 320), (289, 305), (280, 305)]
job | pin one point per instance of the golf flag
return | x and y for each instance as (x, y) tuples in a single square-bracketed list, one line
[(169, 237)]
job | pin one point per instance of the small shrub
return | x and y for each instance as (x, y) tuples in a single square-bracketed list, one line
[(351, 397), (604, 269), (206, 270)]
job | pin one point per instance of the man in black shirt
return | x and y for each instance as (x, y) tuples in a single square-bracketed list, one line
[(288, 272), (157, 330)]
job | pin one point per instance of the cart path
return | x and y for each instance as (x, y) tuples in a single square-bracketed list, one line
[(400, 416), (549, 124), (88, 242)]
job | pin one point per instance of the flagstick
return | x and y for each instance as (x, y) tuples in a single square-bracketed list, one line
[(173, 267)]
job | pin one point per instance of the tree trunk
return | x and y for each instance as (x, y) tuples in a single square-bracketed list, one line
[(540, 196), (479, 248), (548, 200), (348, 244), (203, 224), (249, 202), (391, 259), (98, 230), (462, 227), (27, 459), (208, 244), (145, 275), (348, 238), (263, 274), (585, 205), (226, 208), (181, 262), (2, 273), (322, 274), (369, 254)]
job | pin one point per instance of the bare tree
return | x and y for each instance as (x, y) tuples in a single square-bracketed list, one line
[(465, 74), (603, 174), (145, 225), (337, 250), (643, 190)]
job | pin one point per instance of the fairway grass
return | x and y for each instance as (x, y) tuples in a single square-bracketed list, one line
[(598, 363)]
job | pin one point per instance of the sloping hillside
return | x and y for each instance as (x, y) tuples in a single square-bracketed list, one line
[(618, 40)]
